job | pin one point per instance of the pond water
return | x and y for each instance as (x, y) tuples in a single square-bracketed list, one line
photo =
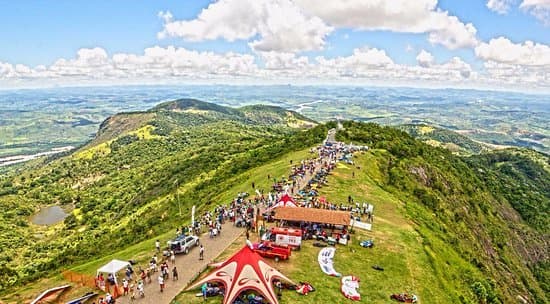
[(49, 216)]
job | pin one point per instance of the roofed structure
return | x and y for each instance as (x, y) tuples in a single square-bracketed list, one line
[(313, 215)]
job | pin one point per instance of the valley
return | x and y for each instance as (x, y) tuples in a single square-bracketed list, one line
[(35, 121)]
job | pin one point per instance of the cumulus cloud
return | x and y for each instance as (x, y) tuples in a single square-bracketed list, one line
[(419, 16), (425, 59), (500, 6), (502, 50), (161, 65), (283, 61), (506, 62), (538, 8), (302, 25), (275, 25)]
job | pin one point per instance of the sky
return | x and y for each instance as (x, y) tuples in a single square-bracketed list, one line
[(484, 44)]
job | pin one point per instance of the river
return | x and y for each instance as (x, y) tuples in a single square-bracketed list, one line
[(11, 160)]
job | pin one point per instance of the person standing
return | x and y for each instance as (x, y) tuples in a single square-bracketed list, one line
[(173, 257), (204, 289), (201, 253), (174, 274), (125, 286), (157, 245), (161, 282)]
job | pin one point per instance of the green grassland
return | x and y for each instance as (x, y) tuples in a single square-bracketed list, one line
[(130, 183), (447, 227), (423, 251)]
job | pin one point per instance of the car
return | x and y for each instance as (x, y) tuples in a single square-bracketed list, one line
[(184, 243), (271, 250)]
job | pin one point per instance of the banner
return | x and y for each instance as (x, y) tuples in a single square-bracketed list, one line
[(193, 216)]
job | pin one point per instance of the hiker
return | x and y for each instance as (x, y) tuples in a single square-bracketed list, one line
[(161, 283), (157, 245), (173, 257), (132, 293), (201, 253), (174, 274), (149, 272), (125, 286), (142, 274), (141, 289), (204, 289)]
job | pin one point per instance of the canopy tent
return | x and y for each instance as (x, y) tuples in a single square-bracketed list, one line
[(245, 270), (285, 201), (113, 267)]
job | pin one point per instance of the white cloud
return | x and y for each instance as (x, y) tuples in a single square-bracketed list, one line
[(425, 59), (526, 63), (283, 61), (502, 50), (419, 16), (538, 8), (171, 65), (500, 6), (171, 61), (276, 25)]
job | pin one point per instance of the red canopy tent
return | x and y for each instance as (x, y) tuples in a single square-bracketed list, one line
[(285, 201), (245, 270)]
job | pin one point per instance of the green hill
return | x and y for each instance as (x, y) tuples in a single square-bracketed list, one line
[(439, 137), (481, 218), (451, 228), (120, 188)]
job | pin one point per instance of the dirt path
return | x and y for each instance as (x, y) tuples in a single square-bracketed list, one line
[(188, 266)]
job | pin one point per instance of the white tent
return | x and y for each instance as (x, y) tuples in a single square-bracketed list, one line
[(113, 267)]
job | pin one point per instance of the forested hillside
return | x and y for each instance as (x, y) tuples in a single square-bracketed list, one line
[(121, 187), (483, 219)]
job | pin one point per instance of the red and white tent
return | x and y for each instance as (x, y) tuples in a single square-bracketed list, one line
[(285, 201), (245, 270)]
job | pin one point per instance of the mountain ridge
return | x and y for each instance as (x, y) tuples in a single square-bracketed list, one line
[(485, 213)]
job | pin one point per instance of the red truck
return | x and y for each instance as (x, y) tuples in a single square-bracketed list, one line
[(271, 250)]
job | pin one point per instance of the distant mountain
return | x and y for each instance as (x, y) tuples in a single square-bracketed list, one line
[(169, 116)]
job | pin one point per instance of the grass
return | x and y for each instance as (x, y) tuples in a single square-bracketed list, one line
[(411, 263), (398, 248), (142, 252)]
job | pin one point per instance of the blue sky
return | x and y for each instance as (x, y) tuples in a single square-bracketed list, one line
[(39, 33)]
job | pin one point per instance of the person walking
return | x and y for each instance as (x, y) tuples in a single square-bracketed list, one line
[(161, 283), (201, 253)]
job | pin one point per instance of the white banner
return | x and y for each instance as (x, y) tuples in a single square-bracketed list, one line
[(193, 216)]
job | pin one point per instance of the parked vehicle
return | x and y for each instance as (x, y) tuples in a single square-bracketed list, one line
[(285, 236), (183, 243), (271, 250)]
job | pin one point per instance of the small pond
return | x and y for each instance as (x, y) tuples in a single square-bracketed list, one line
[(49, 216)]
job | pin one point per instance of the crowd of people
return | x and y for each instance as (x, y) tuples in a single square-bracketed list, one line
[(304, 179)]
